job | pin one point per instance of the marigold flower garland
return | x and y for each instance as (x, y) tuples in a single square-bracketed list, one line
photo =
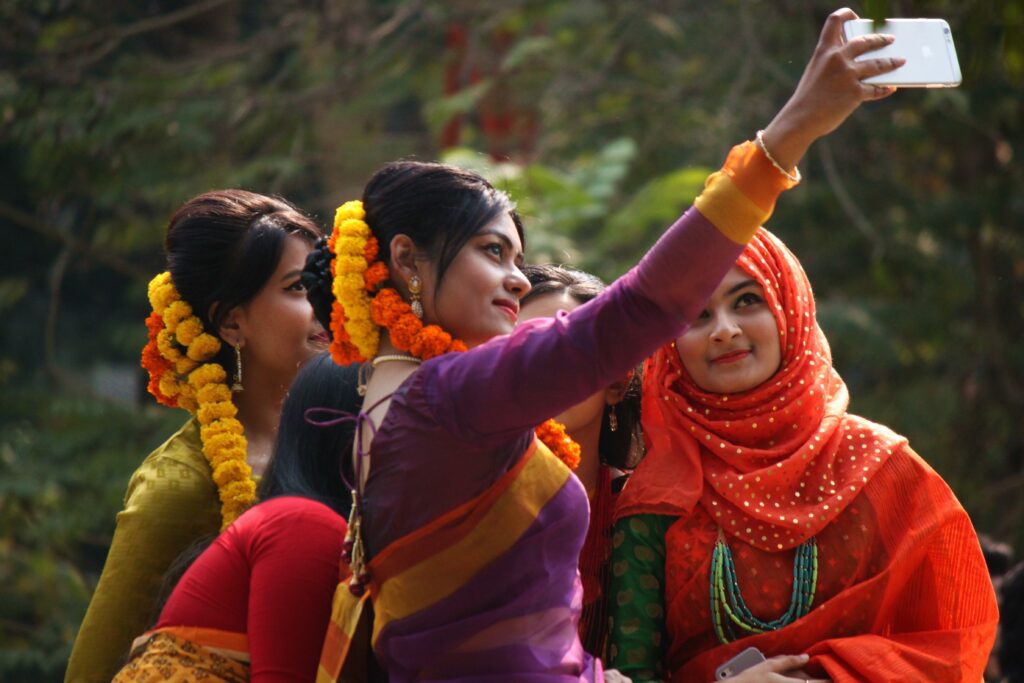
[(362, 305), (181, 376)]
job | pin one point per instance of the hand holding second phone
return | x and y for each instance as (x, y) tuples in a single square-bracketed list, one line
[(829, 90), (780, 669)]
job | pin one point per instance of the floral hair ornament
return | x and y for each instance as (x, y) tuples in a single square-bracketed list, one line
[(182, 375), (363, 304)]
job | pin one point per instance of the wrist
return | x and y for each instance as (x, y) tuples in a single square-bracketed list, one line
[(787, 140)]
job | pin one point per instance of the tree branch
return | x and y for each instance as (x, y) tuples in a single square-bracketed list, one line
[(26, 220), (846, 203)]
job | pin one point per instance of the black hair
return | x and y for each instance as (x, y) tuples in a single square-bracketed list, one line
[(223, 246), (439, 207), (623, 447), (1010, 652), (310, 460), (998, 555)]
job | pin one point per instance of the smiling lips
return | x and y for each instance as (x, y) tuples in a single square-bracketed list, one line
[(509, 308), (731, 357)]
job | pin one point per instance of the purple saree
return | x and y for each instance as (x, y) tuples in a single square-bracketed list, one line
[(472, 527)]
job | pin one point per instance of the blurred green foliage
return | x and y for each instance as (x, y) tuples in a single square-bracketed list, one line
[(602, 119)]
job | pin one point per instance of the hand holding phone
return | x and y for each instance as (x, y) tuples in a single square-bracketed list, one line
[(926, 45), (830, 89), (741, 662)]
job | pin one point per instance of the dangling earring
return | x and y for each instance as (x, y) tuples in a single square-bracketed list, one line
[(415, 287), (237, 386), (613, 420)]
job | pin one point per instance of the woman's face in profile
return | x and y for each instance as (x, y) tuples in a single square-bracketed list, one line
[(733, 346)]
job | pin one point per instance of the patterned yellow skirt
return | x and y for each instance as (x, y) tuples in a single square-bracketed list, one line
[(167, 657)]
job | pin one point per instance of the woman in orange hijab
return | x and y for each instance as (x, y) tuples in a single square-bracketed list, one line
[(764, 515)]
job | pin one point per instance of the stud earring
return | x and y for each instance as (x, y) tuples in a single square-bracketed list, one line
[(415, 287), (613, 420), (237, 387)]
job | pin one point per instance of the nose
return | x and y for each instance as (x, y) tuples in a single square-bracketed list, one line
[(725, 328), (517, 283)]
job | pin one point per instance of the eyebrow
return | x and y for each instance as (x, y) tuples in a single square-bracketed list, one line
[(504, 238), (742, 285), (290, 274)]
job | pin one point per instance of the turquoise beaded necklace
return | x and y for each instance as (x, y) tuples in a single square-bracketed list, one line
[(726, 597)]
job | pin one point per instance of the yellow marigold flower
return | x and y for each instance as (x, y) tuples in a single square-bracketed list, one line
[(203, 347), (169, 384), (353, 227), (350, 286), (187, 329), (215, 411), (155, 284), (237, 492), (213, 429), (348, 245), (164, 296), (236, 497), (218, 445), (213, 392), (175, 312), (350, 209), (183, 366), (231, 470), (207, 373), (165, 344), (188, 403), (365, 335), (349, 264)]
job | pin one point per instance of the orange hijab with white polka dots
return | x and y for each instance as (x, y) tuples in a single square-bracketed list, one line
[(772, 465)]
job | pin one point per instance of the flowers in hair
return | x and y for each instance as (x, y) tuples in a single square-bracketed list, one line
[(181, 375), (362, 305)]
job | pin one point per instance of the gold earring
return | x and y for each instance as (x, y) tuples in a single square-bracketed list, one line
[(237, 386), (613, 420), (415, 287)]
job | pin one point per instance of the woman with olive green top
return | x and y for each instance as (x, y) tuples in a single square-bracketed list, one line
[(171, 502), (231, 298)]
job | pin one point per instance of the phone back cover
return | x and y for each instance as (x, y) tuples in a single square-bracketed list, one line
[(926, 44)]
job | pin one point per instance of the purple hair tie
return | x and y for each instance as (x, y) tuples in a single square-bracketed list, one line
[(339, 417)]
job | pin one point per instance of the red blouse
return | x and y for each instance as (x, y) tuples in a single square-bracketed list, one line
[(271, 575)]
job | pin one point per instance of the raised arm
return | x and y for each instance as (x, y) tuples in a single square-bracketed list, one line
[(546, 366)]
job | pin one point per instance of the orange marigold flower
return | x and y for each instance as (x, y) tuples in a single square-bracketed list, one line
[(553, 435), (371, 250), (375, 275), (404, 331)]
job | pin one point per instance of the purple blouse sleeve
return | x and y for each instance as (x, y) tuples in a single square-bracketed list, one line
[(517, 381)]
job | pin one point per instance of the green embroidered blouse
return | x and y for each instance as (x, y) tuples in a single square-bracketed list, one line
[(171, 502), (637, 586)]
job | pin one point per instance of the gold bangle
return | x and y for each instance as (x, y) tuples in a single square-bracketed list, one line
[(794, 177)]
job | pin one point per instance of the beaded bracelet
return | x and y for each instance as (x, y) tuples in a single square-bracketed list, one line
[(793, 177)]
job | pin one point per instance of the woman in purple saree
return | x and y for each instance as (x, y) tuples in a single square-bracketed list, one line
[(467, 529)]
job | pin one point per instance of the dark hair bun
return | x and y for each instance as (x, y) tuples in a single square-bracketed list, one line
[(316, 278)]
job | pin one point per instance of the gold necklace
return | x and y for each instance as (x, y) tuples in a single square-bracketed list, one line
[(394, 357)]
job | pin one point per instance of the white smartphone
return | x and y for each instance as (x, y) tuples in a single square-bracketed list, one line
[(926, 44), (741, 662)]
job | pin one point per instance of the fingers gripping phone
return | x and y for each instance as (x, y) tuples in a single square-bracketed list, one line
[(926, 44), (741, 662)]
